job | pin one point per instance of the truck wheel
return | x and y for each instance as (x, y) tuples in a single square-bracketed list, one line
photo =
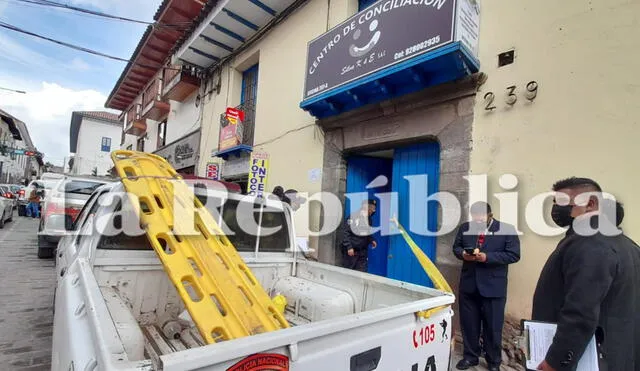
[(45, 251)]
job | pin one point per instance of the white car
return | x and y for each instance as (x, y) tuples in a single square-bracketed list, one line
[(60, 207), (6, 206)]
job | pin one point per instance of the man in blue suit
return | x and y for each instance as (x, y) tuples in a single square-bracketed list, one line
[(487, 247)]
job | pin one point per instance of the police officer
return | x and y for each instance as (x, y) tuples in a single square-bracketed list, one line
[(358, 236)]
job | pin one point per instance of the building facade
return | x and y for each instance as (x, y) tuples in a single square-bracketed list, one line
[(20, 161), (411, 97), (93, 135), (160, 101)]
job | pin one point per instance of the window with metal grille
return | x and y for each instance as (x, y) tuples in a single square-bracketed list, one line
[(249, 85), (106, 144)]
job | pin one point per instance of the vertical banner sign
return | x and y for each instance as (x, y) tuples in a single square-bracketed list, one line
[(213, 171), (258, 173)]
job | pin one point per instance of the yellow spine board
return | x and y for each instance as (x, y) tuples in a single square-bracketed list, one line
[(432, 271), (221, 294)]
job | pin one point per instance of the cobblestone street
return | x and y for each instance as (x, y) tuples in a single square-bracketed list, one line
[(26, 299)]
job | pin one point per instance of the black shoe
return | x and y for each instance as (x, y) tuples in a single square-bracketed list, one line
[(494, 368), (465, 364)]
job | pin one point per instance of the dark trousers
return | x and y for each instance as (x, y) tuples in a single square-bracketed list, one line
[(480, 316), (357, 262)]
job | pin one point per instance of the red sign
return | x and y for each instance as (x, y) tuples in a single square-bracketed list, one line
[(212, 171), (228, 137), (262, 362), (234, 115)]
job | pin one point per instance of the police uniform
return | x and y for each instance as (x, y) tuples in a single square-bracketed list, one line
[(358, 236)]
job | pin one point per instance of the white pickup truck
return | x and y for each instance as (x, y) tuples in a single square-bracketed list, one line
[(116, 309)]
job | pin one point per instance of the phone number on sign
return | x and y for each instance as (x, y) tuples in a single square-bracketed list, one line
[(418, 47)]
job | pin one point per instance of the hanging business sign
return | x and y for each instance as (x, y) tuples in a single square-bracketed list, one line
[(258, 174), (234, 115), (384, 34), (213, 171), (183, 152), (230, 128)]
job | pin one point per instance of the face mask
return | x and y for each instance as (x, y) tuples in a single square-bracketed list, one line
[(561, 215)]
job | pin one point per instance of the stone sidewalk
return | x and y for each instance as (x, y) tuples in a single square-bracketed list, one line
[(26, 298)]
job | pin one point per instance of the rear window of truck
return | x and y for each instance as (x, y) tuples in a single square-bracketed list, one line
[(79, 187), (243, 239)]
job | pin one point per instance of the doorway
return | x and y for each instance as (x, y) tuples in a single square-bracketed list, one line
[(393, 258)]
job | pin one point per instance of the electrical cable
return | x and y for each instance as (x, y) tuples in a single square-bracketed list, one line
[(53, 4), (76, 47)]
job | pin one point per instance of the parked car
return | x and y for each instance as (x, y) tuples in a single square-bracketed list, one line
[(44, 185), (60, 207), (12, 193), (6, 206)]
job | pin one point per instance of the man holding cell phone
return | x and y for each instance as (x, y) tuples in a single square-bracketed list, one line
[(487, 247)]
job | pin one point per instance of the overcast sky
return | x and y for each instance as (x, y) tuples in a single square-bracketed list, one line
[(59, 80)]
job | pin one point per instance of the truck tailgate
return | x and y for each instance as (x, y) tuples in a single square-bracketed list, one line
[(384, 339)]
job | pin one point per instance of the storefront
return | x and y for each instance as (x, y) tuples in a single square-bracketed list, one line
[(393, 88), (182, 154)]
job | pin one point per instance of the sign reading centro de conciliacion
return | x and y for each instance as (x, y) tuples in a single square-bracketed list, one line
[(258, 173), (385, 33)]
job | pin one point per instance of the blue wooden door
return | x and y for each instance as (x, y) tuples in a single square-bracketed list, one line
[(415, 160), (361, 171)]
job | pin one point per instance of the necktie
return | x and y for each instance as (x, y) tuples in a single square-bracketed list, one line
[(480, 240)]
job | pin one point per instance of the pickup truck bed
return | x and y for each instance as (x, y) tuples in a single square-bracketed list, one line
[(139, 300)]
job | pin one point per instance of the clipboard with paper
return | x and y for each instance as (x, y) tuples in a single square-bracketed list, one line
[(537, 338)]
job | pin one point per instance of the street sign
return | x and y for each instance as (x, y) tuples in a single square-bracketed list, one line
[(18, 151)]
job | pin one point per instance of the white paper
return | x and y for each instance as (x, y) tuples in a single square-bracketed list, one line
[(540, 339), (315, 175)]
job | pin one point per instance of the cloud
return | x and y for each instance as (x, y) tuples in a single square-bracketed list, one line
[(17, 53), (79, 65), (46, 109)]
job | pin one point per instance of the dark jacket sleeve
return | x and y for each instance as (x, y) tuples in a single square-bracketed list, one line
[(346, 235), (589, 268), (457, 244), (511, 252)]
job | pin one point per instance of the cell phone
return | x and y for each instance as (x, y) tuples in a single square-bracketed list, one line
[(469, 250)]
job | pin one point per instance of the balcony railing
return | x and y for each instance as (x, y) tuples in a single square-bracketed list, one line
[(153, 107), (241, 134), (179, 83), (136, 125)]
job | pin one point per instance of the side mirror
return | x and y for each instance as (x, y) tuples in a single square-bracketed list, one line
[(69, 224)]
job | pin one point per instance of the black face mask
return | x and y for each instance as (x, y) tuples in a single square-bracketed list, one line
[(561, 215)]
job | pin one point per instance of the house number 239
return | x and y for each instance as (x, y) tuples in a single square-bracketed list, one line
[(531, 92)]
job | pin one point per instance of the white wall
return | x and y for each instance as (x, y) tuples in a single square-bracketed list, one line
[(88, 153), (183, 118), (12, 169)]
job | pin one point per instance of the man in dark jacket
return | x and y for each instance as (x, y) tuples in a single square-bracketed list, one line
[(487, 246), (590, 284), (358, 236)]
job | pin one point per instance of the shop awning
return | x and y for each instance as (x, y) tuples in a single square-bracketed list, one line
[(229, 24)]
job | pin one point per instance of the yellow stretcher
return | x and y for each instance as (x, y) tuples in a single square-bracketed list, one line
[(432, 271), (221, 294)]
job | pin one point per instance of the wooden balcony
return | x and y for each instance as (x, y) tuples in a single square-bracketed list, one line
[(179, 83), (153, 107), (136, 125)]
